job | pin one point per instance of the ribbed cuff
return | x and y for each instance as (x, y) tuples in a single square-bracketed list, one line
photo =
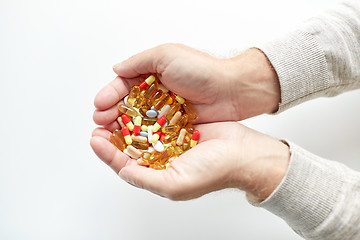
[(300, 64), (308, 192)]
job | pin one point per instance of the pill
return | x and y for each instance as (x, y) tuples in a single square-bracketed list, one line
[(139, 138), (189, 109), (162, 101), (127, 122), (152, 113), (175, 119), (133, 95), (194, 138), (159, 123), (120, 121), (180, 100), (144, 128), (130, 111), (150, 133), (137, 125), (164, 111), (170, 129), (117, 138), (144, 134), (156, 136), (126, 134), (181, 137), (147, 82), (143, 162), (134, 153), (173, 109), (158, 146), (140, 145)]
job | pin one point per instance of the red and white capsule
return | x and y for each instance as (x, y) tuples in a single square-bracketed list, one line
[(159, 123), (127, 122), (127, 137), (194, 138), (137, 125), (147, 82)]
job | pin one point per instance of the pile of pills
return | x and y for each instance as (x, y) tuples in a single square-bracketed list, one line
[(156, 125)]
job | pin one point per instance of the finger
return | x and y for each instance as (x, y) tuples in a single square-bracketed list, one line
[(111, 94), (108, 153), (112, 126), (101, 132), (107, 116), (145, 178), (145, 62)]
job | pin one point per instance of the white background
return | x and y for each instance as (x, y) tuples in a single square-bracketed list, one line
[(56, 55)]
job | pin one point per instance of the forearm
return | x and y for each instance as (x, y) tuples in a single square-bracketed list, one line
[(318, 198), (319, 59)]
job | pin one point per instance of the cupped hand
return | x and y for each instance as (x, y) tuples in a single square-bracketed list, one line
[(228, 155), (220, 89)]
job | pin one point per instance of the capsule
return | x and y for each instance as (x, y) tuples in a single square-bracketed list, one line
[(144, 128), (133, 95), (117, 138), (155, 137), (181, 137), (169, 138), (149, 92), (137, 125), (127, 122), (127, 137), (183, 120), (175, 119), (133, 152), (154, 156), (149, 121), (140, 145), (154, 98), (120, 121), (174, 108), (159, 123), (141, 100), (147, 82), (130, 111), (170, 129), (189, 109), (194, 138), (164, 110), (143, 162), (139, 138), (179, 99), (178, 151), (168, 153)]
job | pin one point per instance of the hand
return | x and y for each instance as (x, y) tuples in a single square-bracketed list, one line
[(228, 155), (220, 89)]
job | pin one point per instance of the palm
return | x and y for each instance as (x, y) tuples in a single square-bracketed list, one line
[(206, 167)]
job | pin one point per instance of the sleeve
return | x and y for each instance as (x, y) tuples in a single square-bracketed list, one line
[(320, 58), (318, 198)]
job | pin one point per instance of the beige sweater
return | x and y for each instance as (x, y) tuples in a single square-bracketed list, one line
[(318, 198)]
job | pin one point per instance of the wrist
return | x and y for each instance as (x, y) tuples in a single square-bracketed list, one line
[(266, 169), (254, 84)]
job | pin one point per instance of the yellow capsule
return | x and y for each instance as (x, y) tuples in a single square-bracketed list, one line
[(130, 111), (189, 128), (133, 95), (189, 109), (154, 157), (186, 143), (140, 145), (140, 100), (170, 129), (146, 155), (183, 120), (144, 128), (157, 166), (151, 90), (149, 121), (169, 138), (178, 151), (174, 108), (168, 153), (157, 95), (143, 162), (175, 119), (117, 138)]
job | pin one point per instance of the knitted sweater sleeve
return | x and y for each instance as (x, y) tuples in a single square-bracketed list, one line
[(318, 198)]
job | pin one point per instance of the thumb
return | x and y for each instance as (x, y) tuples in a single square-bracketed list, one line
[(145, 178), (148, 61)]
